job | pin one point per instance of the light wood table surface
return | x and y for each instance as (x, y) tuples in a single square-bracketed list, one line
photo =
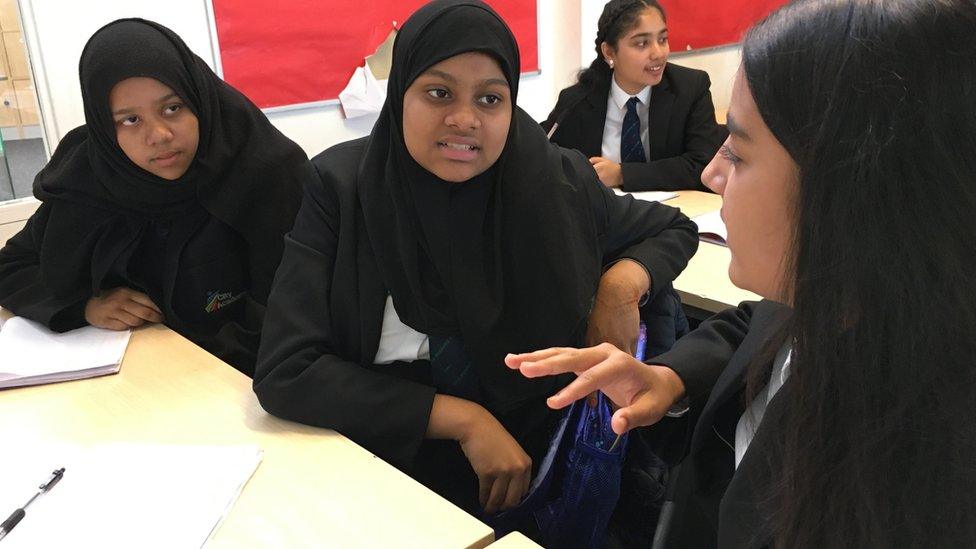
[(314, 487), (705, 283)]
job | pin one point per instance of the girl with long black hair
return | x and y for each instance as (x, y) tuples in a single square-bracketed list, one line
[(645, 123), (838, 411), (422, 253), (168, 205)]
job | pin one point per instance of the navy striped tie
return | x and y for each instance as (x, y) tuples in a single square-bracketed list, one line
[(631, 147), (452, 371)]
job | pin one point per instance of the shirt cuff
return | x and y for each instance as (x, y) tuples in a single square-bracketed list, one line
[(680, 408)]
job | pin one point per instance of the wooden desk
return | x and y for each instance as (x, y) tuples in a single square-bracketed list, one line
[(705, 283), (314, 488)]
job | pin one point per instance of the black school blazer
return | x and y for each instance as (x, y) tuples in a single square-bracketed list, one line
[(325, 313), (681, 127), (717, 505), (210, 296)]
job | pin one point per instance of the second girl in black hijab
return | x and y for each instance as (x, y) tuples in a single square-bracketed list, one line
[(168, 205), (454, 234)]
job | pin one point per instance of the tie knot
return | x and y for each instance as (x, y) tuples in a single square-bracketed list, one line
[(632, 103)]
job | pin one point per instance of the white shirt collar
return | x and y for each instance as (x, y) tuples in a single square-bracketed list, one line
[(620, 97)]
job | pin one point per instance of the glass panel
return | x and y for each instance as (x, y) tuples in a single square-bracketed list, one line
[(24, 153), (6, 186)]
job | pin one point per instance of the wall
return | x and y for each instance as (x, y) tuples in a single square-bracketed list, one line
[(58, 30), (317, 128)]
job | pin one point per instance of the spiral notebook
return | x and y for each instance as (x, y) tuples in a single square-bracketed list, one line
[(34, 355)]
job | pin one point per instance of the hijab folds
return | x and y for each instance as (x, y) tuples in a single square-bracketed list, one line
[(245, 172), (525, 276)]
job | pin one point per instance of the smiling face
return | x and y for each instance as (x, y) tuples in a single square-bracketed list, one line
[(757, 179), (456, 116), (641, 53), (154, 127)]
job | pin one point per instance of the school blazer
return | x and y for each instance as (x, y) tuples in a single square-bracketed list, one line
[(207, 294), (325, 313), (682, 130), (717, 505)]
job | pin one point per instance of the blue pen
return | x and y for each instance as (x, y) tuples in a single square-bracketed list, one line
[(639, 355)]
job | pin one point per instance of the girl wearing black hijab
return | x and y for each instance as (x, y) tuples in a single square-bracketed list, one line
[(451, 235), (168, 205)]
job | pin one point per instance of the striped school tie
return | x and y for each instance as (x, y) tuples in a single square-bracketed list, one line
[(631, 147), (452, 371)]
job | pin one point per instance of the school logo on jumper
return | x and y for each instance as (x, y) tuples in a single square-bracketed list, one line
[(217, 300)]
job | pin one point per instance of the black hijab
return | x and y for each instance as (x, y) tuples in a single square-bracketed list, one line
[(245, 172), (525, 276)]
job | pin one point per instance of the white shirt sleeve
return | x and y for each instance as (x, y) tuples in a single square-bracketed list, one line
[(399, 341)]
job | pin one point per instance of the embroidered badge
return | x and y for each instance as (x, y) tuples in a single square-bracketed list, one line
[(218, 300)]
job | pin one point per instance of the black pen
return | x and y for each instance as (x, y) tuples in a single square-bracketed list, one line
[(15, 517)]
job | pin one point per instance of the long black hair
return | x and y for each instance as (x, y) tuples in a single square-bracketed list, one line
[(874, 100), (617, 18)]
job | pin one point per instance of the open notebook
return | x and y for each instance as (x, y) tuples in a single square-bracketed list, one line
[(711, 228), (124, 495), (33, 355), (650, 196)]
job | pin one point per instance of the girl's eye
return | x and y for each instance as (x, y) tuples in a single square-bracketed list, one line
[(172, 109), (726, 152), (129, 121), (641, 44), (438, 93), (663, 40), (491, 100)]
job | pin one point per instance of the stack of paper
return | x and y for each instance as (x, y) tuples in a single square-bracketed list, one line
[(33, 355), (124, 495), (711, 228), (650, 196)]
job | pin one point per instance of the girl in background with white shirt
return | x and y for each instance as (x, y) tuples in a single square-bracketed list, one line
[(644, 123)]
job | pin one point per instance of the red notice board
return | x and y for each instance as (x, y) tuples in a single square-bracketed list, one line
[(694, 24), (288, 52)]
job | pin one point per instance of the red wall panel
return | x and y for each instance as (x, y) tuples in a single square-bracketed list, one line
[(298, 51), (695, 24)]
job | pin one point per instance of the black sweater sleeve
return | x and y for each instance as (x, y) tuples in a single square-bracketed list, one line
[(299, 375), (22, 290), (702, 138), (659, 237), (700, 357)]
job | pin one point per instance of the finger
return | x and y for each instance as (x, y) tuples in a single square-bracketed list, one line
[(141, 311), (595, 160), (128, 318), (144, 300), (526, 482), (514, 493), (570, 360), (484, 490), (112, 324), (513, 361), (499, 489), (593, 379), (644, 410)]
